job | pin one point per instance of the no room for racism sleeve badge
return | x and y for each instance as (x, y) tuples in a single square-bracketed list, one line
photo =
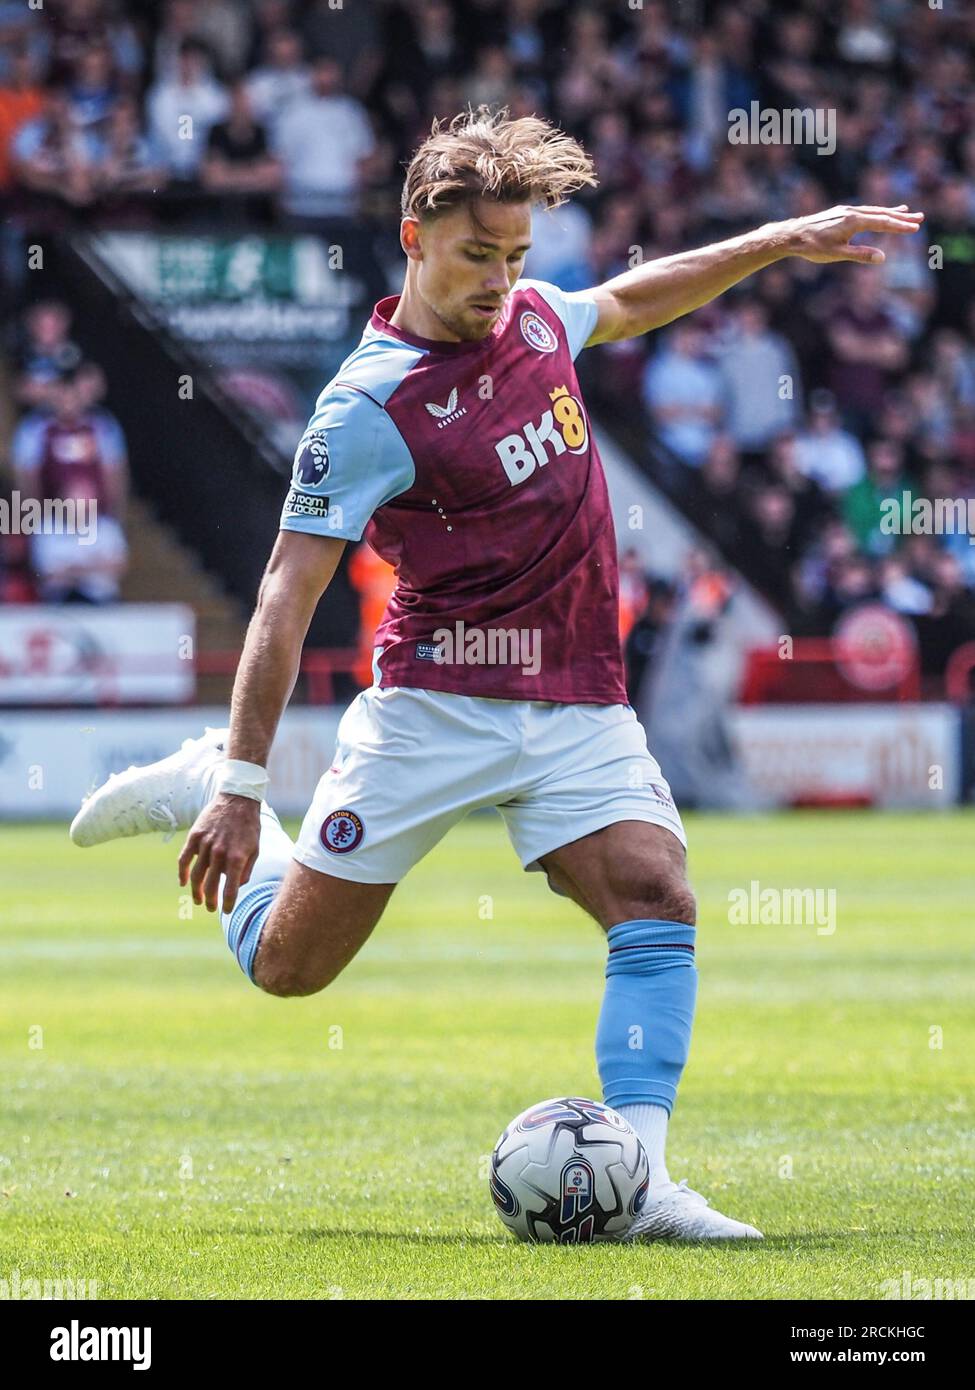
[(311, 468)]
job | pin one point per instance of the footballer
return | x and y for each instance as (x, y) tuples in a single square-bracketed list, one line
[(455, 439)]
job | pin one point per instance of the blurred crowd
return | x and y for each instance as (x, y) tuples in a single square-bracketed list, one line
[(67, 450), (789, 410)]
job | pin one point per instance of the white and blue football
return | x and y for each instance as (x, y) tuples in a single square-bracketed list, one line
[(569, 1171)]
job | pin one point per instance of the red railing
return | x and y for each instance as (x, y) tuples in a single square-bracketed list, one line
[(99, 674), (814, 673)]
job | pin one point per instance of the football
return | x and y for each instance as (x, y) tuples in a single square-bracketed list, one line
[(569, 1171)]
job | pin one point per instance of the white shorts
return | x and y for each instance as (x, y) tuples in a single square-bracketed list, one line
[(53, 551), (411, 763)]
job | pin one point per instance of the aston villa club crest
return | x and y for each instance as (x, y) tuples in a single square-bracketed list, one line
[(341, 832), (537, 333)]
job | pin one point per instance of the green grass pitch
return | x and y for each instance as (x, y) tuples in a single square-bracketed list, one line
[(169, 1132)]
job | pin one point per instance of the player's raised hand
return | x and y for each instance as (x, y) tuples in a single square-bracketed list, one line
[(223, 840), (824, 237)]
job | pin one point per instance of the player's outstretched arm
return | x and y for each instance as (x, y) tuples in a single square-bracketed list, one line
[(224, 838), (660, 291)]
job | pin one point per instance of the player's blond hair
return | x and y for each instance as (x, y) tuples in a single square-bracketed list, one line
[(485, 154)]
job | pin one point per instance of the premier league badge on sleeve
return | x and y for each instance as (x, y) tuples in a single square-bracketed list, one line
[(311, 459)]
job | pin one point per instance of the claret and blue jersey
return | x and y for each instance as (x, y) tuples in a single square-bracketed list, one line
[(470, 467)]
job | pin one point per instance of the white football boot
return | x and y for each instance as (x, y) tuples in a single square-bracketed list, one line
[(677, 1212), (166, 795)]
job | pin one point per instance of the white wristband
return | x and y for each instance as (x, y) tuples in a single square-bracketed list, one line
[(236, 778)]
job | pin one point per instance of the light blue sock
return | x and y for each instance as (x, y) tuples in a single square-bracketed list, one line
[(644, 1030), (243, 926)]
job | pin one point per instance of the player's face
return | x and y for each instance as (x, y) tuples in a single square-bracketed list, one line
[(466, 267)]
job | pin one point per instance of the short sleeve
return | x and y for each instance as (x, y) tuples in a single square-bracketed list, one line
[(350, 461), (578, 311)]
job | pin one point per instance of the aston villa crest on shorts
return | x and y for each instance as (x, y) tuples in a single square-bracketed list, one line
[(341, 832)]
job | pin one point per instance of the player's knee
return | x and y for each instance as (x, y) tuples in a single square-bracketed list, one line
[(677, 902), (287, 979), (663, 897)]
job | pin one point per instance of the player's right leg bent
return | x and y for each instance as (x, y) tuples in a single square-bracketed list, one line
[(308, 925), (408, 765)]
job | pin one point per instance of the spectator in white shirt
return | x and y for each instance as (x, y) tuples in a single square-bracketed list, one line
[(281, 77), (901, 589), (761, 379), (825, 452), (182, 110), (683, 393), (323, 140)]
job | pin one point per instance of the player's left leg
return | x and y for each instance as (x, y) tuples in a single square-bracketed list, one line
[(626, 866), (631, 877)]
